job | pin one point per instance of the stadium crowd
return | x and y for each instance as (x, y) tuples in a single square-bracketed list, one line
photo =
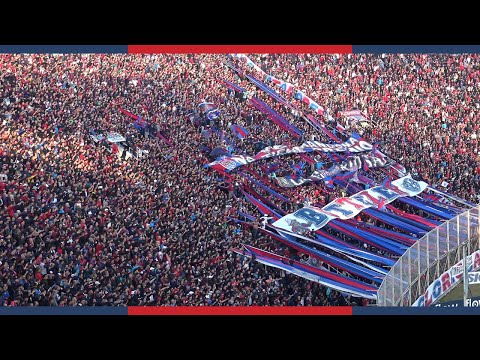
[(81, 225)]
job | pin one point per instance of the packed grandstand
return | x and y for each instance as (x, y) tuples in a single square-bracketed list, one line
[(241, 179)]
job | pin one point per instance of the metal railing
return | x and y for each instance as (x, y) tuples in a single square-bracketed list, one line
[(428, 258)]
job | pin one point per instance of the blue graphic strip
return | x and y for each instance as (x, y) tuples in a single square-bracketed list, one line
[(64, 49), (67, 310), (400, 310), (419, 49)]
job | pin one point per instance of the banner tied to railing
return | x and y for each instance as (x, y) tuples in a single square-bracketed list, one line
[(449, 279)]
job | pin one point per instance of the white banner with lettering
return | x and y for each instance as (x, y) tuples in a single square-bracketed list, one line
[(449, 279), (354, 144), (314, 218), (285, 86)]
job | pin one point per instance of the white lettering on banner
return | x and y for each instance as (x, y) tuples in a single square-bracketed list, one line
[(364, 198), (355, 145), (288, 183), (474, 278), (448, 279), (351, 164), (351, 145), (287, 87), (115, 137), (303, 220), (474, 302), (228, 164), (355, 115), (344, 208), (347, 208), (380, 192), (375, 161), (410, 186), (456, 271)]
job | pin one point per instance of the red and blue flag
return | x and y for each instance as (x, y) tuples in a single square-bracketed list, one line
[(239, 131)]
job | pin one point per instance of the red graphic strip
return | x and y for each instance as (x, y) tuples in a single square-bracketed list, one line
[(239, 310), (226, 49)]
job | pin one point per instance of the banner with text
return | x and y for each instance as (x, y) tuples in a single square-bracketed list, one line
[(354, 116), (354, 144), (351, 164), (285, 86), (313, 218), (448, 280)]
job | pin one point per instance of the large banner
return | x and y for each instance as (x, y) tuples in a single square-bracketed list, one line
[(285, 86), (355, 144), (288, 182), (112, 137), (448, 280), (350, 165), (229, 163), (474, 278), (313, 218), (115, 137), (304, 220), (355, 116)]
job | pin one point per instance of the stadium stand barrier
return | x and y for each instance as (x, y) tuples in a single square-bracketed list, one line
[(428, 258)]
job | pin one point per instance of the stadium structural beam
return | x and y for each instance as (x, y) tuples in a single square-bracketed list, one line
[(438, 251), (465, 274), (410, 277)]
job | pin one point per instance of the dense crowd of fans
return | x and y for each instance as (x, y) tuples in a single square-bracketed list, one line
[(80, 225)]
